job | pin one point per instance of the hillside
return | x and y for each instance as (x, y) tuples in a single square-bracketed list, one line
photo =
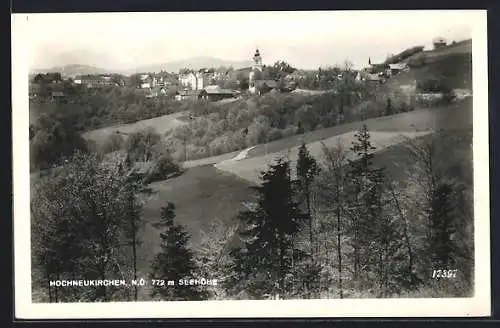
[(462, 47), (161, 125), (72, 70), (172, 66), (451, 66), (193, 63)]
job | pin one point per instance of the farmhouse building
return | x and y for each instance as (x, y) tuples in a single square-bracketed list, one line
[(95, 81), (439, 42), (397, 68), (216, 93), (187, 94)]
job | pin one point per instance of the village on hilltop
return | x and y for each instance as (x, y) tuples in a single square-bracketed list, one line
[(215, 84)]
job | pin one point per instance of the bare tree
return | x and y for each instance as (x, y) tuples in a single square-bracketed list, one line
[(213, 254), (331, 189)]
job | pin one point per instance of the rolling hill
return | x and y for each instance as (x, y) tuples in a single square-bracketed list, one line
[(462, 47), (172, 66), (72, 70), (193, 63)]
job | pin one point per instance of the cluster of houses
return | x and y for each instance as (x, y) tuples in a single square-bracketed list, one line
[(205, 83), (201, 84), (380, 73), (96, 81)]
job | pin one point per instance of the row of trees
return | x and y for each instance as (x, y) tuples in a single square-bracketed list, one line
[(380, 248)]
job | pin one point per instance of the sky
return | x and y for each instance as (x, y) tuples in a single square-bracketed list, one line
[(306, 40)]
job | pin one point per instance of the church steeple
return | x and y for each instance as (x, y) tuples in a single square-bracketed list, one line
[(369, 61), (257, 60)]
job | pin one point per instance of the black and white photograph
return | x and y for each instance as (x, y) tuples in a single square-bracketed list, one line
[(225, 164)]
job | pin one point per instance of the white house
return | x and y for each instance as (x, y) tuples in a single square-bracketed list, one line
[(195, 81)]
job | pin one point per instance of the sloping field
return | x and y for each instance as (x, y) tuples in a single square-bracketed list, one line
[(454, 68), (209, 160), (201, 195), (250, 168), (161, 124), (455, 116), (462, 47)]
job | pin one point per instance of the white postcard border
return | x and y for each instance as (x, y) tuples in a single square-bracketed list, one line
[(479, 305)]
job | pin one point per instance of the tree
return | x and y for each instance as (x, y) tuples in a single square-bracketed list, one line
[(175, 261), (264, 260), (365, 199), (53, 140), (388, 108), (307, 168), (133, 189), (442, 226), (331, 194), (82, 215), (213, 255), (141, 145), (436, 202), (280, 69), (399, 206)]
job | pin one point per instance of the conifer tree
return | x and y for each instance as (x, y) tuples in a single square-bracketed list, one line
[(357, 175), (264, 260), (441, 221), (174, 261), (365, 201)]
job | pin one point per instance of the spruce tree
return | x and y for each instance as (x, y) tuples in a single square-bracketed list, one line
[(174, 261), (441, 226), (365, 202), (264, 260)]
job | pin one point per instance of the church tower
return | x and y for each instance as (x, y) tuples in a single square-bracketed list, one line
[(257, 61)]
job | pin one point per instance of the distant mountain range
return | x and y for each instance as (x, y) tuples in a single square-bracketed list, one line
[(193, 63), (74, 69), (173, 66)]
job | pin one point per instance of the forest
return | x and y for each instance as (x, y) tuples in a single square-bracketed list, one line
[(339, 227)]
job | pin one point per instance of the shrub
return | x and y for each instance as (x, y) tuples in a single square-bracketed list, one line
[(434, 85), (162, 168)]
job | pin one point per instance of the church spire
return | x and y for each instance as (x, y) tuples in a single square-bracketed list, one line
[(369, 61), (257, 60)]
